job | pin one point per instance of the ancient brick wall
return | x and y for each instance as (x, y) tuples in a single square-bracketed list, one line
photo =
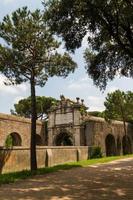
[(11, 124), (68, 127), (97, 130), (18, 158)]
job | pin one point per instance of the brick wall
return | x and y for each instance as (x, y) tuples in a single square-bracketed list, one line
[(18, 159), (22, 126)]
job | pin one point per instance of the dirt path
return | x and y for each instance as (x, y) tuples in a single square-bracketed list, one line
[(112, 181)]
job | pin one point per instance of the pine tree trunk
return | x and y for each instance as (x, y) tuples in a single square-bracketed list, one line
[(33, 161), (125, 131), (124, 121), (124, 125)]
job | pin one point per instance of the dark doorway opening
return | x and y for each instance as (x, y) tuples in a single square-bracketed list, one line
[(126, 144), (110, 145), (118, 146), (14, 139), (63, 139)]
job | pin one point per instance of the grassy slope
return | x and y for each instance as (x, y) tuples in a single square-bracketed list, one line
[(12, 177)]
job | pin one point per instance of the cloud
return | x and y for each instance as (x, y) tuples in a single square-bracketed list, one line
[(17, 99), (85, 43), (8, 1), (112, 89), (95, 103), (61, 49), (74, 86), (11, 89), (82, 88), (78, 85)]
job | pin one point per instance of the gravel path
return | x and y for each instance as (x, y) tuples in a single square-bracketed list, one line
[(112, 181)]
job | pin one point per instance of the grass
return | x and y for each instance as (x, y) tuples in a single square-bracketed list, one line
[(86, 163), (12, 177)]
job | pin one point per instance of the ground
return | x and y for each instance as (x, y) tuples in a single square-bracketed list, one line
[(98, 182)]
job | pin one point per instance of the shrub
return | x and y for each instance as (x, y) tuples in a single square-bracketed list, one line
[(9, 141), (95, 152)]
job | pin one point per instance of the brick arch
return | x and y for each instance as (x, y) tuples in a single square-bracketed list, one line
[(15, 139), (63, 138), (126, 144), (119, 145), (110, 145)]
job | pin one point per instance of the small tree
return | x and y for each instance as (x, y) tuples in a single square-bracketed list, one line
[(9, 142), (30, 55), (119, 106), (96, 113), (43, 104)]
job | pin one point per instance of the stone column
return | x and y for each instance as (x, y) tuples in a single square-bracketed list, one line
[(77, 136), (50, 137)]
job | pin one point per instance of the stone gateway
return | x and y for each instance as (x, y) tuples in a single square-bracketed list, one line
[(69, 125)]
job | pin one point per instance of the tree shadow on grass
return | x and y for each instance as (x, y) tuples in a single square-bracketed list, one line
[(100, 182), (25, 174), (4, 156)]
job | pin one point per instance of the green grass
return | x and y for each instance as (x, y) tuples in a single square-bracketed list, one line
[(85, 163), (12, 177)]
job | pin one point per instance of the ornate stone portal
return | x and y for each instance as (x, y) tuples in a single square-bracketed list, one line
[(65, 123)]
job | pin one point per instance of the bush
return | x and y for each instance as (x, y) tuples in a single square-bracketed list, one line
[(9, 141), (95, 152)]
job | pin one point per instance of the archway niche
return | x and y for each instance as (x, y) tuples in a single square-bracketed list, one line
[(64, 139), (13, 139), (39, 141), (126, 144), (110, 145), (118, 146)]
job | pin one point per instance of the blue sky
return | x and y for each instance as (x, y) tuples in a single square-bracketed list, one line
[(75, 85)]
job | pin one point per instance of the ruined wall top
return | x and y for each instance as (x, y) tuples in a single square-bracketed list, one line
[(16, 118), (99, 119)]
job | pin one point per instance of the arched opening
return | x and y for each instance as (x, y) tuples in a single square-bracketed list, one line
[(126, 144), (14, 139), (63, 139), (118, 146), (110, 145), (39, 140)]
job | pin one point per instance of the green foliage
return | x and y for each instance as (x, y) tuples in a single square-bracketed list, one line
[(95, 152), (9, 141), (96, 113), (119, 106), (107, 26), (31, 50), (43, 104), (83, 110), (30, 54)]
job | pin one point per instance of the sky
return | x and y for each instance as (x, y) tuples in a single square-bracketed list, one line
[(75, 85)]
